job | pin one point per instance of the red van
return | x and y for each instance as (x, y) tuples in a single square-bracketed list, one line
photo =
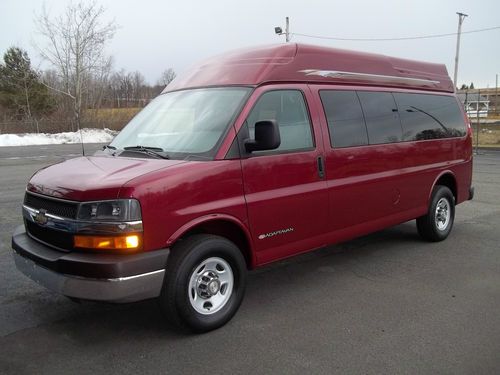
[(251, 157)]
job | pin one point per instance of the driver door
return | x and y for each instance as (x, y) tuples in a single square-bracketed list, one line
[(285, 188)]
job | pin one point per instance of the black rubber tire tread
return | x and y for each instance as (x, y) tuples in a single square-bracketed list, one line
[(426, 225), (185, 256)]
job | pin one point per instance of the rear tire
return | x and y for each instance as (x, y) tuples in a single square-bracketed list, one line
[(437, 223), (204, 283)]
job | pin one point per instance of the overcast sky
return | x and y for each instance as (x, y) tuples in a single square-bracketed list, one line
[(155, 35)]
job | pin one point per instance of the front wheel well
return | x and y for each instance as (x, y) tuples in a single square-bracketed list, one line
[(226, 229)]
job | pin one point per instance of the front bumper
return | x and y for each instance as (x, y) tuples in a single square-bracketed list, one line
[(91, 276)]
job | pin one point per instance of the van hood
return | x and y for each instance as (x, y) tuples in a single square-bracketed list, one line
[(93, 177)]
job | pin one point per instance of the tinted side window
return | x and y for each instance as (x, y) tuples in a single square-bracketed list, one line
[(429, 116), (381, 116), (345, 118), (287, 107)]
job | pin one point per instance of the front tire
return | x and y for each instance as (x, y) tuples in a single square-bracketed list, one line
[(437, 223), (204, 283)]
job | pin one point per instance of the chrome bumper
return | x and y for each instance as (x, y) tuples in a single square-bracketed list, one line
[(91, 276), (123, 289)]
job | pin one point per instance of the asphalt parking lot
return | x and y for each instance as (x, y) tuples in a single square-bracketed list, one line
[(384, 303)]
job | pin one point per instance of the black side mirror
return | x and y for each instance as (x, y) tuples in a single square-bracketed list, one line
[(267, 136)]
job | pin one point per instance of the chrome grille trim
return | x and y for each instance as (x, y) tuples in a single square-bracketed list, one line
[(78, 226)]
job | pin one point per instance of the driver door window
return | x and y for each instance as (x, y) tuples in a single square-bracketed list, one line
[(289, 110)]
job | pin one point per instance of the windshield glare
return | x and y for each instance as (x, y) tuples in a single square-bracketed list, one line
[(189, 122)]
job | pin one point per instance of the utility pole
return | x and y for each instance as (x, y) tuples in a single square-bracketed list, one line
[(279, 31), (287, 30), (496, 95), (461, 17)]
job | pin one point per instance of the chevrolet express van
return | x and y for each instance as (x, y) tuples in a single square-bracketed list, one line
[(250, 157)]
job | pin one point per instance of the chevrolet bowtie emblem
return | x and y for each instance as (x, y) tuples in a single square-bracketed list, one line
[(41, 217)]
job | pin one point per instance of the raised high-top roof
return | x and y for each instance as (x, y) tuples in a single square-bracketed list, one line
[(293, 62)]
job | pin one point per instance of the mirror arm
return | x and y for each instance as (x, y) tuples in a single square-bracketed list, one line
[(250, 145)]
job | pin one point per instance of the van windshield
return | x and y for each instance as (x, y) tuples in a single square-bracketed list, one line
[(182, 124)]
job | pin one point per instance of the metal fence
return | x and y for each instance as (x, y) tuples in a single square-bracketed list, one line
[(58, 126), (16, 127), (481, 108)]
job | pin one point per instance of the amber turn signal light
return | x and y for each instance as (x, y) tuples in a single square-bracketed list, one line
[(124, 242)]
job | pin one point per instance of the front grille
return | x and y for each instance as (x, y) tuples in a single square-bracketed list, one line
[(56, 238), (52, 206)]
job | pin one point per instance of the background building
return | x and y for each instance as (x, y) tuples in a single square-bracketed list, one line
[(476, 104)]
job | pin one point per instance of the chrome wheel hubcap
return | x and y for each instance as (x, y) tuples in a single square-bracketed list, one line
[(210, 285), (442, 214), (207, 284)]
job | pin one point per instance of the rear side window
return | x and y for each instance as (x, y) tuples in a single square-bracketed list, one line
[(288, 108), (346, 123), (429, 116), (381, 116)]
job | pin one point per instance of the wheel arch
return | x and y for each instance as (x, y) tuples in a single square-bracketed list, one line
[(221, 225), (446, 178)]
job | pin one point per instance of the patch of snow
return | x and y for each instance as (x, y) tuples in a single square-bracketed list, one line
[(27, 139)]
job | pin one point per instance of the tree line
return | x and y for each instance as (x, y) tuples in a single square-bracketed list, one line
[(79, 81)]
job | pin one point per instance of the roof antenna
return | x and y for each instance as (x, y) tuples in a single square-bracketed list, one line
[(81, 139)]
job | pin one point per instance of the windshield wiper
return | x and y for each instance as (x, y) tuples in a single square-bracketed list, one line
[(108, 146), (152, 151)]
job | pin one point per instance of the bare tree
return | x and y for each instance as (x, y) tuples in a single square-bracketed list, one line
[(138, 85), (97, 84), (124, 88), (75, 47), (166, 77), (128, 89)]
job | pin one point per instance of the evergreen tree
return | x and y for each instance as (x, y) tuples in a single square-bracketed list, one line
[(21, 92)]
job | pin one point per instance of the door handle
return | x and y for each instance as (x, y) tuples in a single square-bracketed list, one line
[(321, 167)]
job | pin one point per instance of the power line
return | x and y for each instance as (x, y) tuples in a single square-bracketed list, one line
[(392, 39)]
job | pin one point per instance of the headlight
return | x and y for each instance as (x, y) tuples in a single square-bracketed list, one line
[(113, 210)]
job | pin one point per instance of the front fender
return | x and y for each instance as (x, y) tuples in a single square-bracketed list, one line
[(211, 218)]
